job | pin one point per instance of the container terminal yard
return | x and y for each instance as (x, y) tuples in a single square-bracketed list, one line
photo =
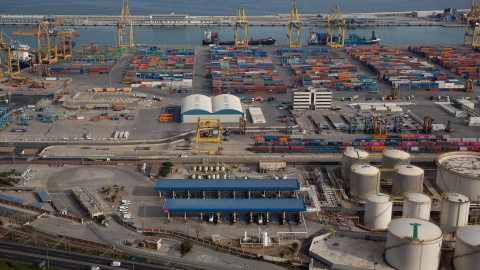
[(319, 157)]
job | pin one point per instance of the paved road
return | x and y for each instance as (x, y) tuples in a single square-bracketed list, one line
[(62, 259)]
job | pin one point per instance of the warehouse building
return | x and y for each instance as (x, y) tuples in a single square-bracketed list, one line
[(312, 99), (227, 108)]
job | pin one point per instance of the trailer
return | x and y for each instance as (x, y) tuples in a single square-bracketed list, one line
[(117, 133), (125, 135)]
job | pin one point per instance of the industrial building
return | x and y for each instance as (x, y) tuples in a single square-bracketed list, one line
[(312, 99), (227, 108), (272, 165), (152, 242), (86, 202)]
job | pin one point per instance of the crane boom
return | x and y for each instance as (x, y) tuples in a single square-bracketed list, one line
[(125, 21), (295, 24), (40, 30), (241, 22)]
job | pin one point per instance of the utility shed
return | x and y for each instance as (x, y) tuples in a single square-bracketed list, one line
[(227, 108), (234, 205), (152, 242)]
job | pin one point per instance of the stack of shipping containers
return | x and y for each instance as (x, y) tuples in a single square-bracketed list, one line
[(168, 69), (408, 143), (461, 60), (314, 66), (90, 64), (404, 71), (248, 70)]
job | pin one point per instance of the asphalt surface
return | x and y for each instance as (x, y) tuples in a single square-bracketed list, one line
[(63, 259)]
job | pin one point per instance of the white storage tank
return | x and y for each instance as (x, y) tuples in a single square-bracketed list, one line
[(364, 179), (392, 158), (455, 208), (378, 210), (467, 248), (413, 244), (351, 157), (459, 172), (407, 178), (417, 205)]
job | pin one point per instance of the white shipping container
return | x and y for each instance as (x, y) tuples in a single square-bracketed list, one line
[(80, 117), (51, 78)]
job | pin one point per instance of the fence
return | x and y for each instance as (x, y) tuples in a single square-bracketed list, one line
[(204, 242)]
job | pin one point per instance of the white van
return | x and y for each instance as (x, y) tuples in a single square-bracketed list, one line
[(115, 263)]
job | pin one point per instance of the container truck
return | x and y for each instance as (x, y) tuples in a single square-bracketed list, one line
[(141, 95), (353, 98)]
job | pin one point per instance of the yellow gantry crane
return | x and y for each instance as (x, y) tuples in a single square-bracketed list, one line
[(40, 30), (9, 56), (125, 21), (472, 29), (295, 24), (335, 20), (64, 45), (208, 130), (241, 22)]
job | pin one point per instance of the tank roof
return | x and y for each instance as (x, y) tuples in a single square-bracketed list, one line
[(409, 170), (455, 197), (377, 197), (365, 169), (464, 164), (417, 197), (356, 153), (394, 153), (404, 228), (470, 235)]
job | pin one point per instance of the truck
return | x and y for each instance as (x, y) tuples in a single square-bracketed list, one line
[(257, 98), (353, 98), (157, 98), (115, 263), (141, 95), (88, 136), (271, 98)]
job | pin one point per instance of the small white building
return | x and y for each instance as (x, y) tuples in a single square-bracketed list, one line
[(227, 108), (312, 99)]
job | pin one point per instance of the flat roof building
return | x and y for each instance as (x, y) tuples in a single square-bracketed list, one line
[(86, 202), (312, 99)]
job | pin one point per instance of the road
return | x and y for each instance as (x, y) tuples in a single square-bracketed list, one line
[(62, 259)]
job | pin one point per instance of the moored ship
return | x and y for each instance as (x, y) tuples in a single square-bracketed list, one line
[(212, 38), (353, 39)]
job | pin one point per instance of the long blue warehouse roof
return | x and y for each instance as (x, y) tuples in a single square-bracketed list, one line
[(38, 205), (227, 184), (234, 205), (12, 199), (43, 195)]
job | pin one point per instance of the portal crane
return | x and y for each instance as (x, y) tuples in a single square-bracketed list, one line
[(241, 22), (40, 30), (9, 56), (352, 128), (472, 29), (335, 20), (398, 124), (125, 21), (242, 126), (427, 125), (206, 131), (64, 45), (449, 128), (295, 24)]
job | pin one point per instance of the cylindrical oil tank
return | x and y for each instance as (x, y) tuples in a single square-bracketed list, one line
[(413, 244), (459, 172), (467, 248), (417, 205), (455, 209), (392, 158), (351, 157), (407, 178), (364, 179), (378, 210)]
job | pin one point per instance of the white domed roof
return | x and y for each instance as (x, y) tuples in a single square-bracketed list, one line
[(394, 153), (409, 170), (426, 230), (470, 235), (455, 197), (417, 197), (356, 153), (377, 197), (365, 169)]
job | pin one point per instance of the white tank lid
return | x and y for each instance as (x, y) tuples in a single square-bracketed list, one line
[(409, 228), (356, 153), (394, 153), (365, 169), (377, 197), (455, 197), (417, 197), (470, 235), (409, 170)]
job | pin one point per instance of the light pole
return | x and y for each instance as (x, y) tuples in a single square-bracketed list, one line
[(48, 260), (144, 216)]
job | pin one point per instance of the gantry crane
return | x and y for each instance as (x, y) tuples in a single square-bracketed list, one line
[(125, 21), (208, 130), (9, 56), (40, 30), (241, 22), (472, 29), (242, 126), (352, 127), (427, 125), (295, 23), (335, 20), (64, 45)]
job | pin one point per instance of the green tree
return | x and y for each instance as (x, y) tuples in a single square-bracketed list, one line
[(101, 218), (164, 172), (186, 246), (294, 247), (107, 190), (113, 197), (167, 164), (282, 254)]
